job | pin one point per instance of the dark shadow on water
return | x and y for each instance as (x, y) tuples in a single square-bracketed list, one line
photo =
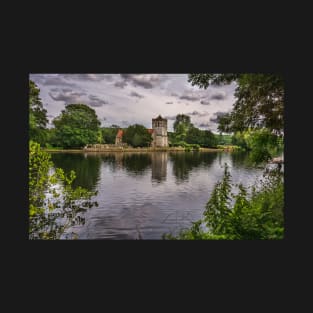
[(185, 162), (87, 168)]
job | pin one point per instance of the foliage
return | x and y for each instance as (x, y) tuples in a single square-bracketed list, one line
[(54, 205), (223, 139), (182, 120), (241, 216), (77, 126), (137, 136), (192, 135), (181, 126), (259, 100), (109, 134), (37, 115), (262, 143), (186, 133)]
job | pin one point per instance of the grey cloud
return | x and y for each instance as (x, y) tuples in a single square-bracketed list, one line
[(199, 114), (174, 94), (190, 98), (67, 97), (87, 77), (56, 81), (120, 84), (218, 115), (205, 102), (146, 81), (218, 96), (205, 125), (192, 95), (96, 101), (135, 94), (168, 102)]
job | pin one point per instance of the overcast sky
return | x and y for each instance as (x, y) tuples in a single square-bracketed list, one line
[(125, 99)]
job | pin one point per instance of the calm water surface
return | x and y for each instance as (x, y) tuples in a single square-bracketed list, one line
[(144, 195)]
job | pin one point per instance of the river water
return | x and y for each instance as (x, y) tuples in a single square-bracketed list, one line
[(144, 195)]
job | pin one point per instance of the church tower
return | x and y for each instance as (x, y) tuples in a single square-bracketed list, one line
[(159, 126)]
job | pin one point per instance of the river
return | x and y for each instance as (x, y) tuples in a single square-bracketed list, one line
[(144, 195)]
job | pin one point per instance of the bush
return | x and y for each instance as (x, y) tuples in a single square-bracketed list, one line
[(241, 216), (54, 205)]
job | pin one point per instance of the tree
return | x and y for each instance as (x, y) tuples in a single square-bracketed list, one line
[(260, 100), (181, 126), (77, 126), (109, 134), (245, 216), (54, 205), (137, 136), (182, 119), (37, 115)]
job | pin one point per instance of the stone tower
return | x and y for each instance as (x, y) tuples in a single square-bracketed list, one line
[(159, 126)]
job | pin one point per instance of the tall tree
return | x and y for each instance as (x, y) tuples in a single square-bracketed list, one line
[(181, 126), (76, 126), (37, 115), (183, 120), (259, 100)]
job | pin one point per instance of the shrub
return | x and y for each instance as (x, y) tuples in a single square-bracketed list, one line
[(258, 215), (54, 205)]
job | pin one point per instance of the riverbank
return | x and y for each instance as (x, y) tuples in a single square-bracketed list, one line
[(121, 149)]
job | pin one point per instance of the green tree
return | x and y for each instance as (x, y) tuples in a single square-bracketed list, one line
[(182, 119), (54, 205), (109, 134), (77, 126), (193, 135), (137, 136), (254, 215), (259, 100), (204, 138), (37, 115)]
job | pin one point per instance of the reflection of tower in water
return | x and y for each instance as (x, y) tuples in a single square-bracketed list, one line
[(159, 166)]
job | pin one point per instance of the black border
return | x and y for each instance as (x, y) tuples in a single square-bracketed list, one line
[(180, 51)]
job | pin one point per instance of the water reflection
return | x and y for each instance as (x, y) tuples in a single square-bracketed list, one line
[(144, 195), (240, 159), (138, 164), (159, 166), (185, 162), (86, 167)]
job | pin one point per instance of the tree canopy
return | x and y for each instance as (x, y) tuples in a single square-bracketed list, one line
[(259, 100), (109, 134), (137, 136), (37, 114), (77, 126)]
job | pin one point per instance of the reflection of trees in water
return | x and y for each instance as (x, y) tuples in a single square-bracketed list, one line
[(136, 163), (86, 167), (111, 160), (184, 162), (240, 158), (132, 162)]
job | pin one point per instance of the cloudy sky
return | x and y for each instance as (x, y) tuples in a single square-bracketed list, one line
[(125, 99)]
